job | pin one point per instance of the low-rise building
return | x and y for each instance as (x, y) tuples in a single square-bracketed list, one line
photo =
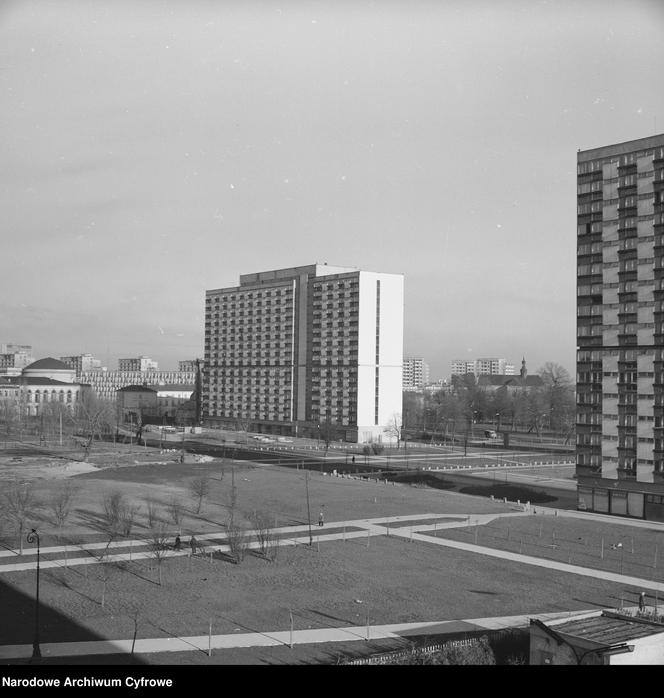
[(41, 384), (137, 404), (597, 638)]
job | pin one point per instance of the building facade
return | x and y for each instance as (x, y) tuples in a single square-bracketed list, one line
[(82, 362), (141, 363), (291, 349), (105, 384), (14, 358), (43, 385), (482, 367), (620, 328), (415, 373)]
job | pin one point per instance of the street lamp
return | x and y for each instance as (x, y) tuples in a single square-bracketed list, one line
[(36, 652)]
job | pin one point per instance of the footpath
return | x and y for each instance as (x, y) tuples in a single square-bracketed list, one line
[(275, 638), (412, 528)]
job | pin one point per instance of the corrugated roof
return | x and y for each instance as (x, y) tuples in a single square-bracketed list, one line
[(607, 629)]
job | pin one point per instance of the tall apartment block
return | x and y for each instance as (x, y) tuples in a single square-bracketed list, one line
[(289, 350), (415, 373), (482, 367), (620, 329)]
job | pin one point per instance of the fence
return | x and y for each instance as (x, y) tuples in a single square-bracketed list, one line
[(396, 655)]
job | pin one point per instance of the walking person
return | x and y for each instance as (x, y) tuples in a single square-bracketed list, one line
[(642, 602), (178, 543), (194, 544), (352, 460), (321, 518)]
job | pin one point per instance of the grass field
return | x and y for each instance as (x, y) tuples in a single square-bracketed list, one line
[(395, 580)]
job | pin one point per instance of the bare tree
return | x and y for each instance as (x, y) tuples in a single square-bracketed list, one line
[(327, 432), (19, 502), (158, 546), (113, 505), (394, 427), (176, 511), (9, 416), (104, 572), (238, 541), (265, 536), (91, 417), (199, 488), (243, 425), (132, 608), (558, 396), (128, 514), (231, 497), (61, 502), (151, 511)]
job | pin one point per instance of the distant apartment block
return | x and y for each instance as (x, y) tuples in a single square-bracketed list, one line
[(620, 328), (290, 349), (188, 365), (82, 362), (16, 349), (142, 363), (14, 358), (415, 373), (482, 367)]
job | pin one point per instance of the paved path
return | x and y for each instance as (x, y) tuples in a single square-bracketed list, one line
[(413, 530), (275, 638)]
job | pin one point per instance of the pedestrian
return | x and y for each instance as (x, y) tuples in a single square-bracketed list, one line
[(321, 518), (194, 543), (352, 460), (642, 602), (178, 542)]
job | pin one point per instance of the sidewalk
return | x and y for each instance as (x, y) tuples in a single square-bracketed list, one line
[(203, 643)]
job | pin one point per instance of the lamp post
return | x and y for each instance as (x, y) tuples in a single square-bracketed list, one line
[(36, 652)]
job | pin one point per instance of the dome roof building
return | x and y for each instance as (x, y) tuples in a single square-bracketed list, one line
[(50, 368)]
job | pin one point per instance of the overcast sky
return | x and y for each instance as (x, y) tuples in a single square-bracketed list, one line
[(153, 150)]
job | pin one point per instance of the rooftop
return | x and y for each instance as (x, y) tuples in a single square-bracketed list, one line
[(136, 389), (608, 628), (47, 364)]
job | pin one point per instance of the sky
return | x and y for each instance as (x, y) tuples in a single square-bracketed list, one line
[(153, 150)]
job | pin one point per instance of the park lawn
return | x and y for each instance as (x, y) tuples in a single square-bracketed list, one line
[(395, 579), (278, 491), (576, 540)]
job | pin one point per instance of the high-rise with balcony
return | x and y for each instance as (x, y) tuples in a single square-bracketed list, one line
[(291, 350), (415, 373), (620, 333)]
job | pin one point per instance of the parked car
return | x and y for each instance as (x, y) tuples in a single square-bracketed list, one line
[(490, 434)]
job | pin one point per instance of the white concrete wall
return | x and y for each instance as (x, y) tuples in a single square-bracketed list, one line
[(647, 650), (390, 352)]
